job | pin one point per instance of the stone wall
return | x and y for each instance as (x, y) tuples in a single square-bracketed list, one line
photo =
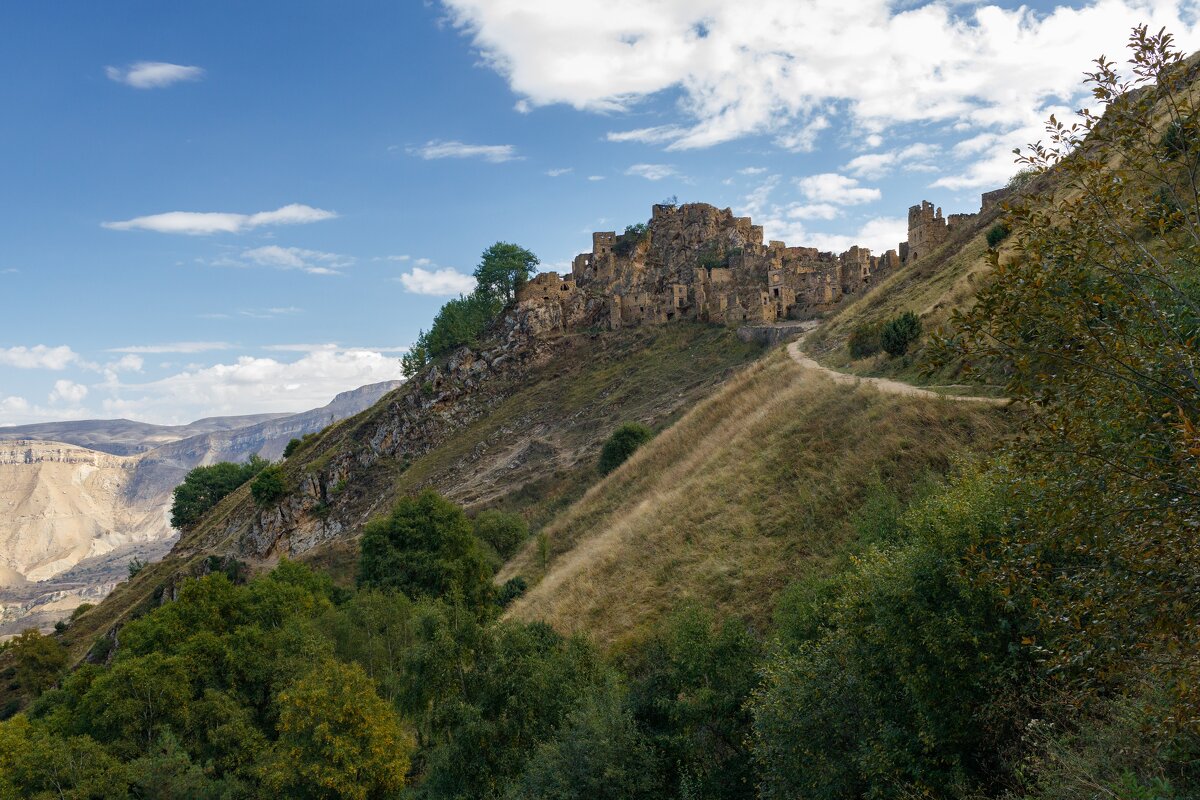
[(695, 261)]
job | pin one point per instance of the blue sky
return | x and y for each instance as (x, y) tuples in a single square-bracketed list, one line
[(233, 207)]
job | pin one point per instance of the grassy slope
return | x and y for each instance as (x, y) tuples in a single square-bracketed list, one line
[(534, 452), (755, 487), (933, 287)]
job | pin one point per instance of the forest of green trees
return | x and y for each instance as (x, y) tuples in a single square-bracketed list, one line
[(1026, 629)]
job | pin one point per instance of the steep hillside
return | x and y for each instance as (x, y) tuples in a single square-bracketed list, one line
[(753, 488), (526, 437), (72, 518)]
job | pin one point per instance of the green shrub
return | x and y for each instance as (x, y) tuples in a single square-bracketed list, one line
[(270, 486), (135, 566), (997, 234), (296, 445), (504, 531), (204, 487), (621, 445), (627, 241), (865, 340), (80, 610), (511, 590), (425, 548), (899, 333)]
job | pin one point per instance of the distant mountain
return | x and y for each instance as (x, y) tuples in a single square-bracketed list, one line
[(125, 437), (74, 511)]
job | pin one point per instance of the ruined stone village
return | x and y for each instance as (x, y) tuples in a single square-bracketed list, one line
[(695, 261)]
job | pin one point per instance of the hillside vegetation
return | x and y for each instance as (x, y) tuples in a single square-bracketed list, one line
[(753, 488)]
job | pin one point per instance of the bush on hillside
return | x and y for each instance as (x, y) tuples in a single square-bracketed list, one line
[(899, 333), (296, 445), (627, 241), (425, 548), (204, 487), (270, 486), (865, 340), (622, 444), (997, 234), (503, 530)]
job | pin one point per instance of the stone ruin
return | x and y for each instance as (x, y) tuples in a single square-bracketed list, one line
[(696, 261)]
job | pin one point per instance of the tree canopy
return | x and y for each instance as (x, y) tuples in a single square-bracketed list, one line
[(503, 269), (204, 487)]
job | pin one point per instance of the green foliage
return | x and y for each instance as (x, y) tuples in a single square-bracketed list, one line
[(997, 234), (598, 753), (425, 548), (899, 690), (503, 530), (633, 235), (712, 257), (459, 322), (269, 486), (900, 332), (689, 688), (503, 269), (80, 610), (40, 660), (135, 566), (1095, 324), (511, 590), (1023, 178), (337, 738), (865, 340), (622, 444), (297, 444), (204, 487)]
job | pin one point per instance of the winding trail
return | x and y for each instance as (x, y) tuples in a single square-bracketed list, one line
[(884, 384)]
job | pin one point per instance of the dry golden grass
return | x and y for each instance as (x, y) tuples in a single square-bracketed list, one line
[(753, 488)]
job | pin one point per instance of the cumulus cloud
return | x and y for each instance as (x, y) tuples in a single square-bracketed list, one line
[(199, 223), (252, 385), (835, 189), (314, 262), (68, 392), (786, 222), (764, 67), (39, 356), (812, 211), (153, 74), (172, 347), (126, 363), (437, 282), (495, 153), (915, 157), (652, 172)]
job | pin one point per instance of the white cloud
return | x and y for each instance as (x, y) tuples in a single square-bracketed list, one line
[(126, 363), (915, 157), (252, 385), (314, 262), (198, 223), (775, 66), (153, 74), (752, 170), (495, 153), (39, 356), (651, 172), (595, 177), (829, 187), (554, 173), (655, 135), (813, 211), (803, 139), (437, 282), (68, 392), (172, 347)]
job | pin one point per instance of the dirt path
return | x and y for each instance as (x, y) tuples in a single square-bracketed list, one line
[(883, 384)]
